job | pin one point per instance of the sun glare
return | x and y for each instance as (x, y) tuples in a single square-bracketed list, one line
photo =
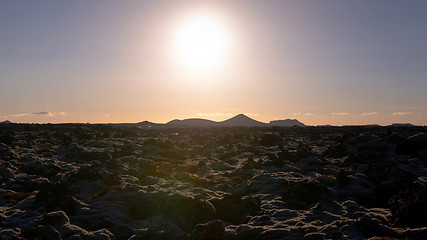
[(202, 43)]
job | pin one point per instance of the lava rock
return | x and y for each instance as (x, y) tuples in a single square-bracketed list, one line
[(408, 208), (213, 230), (55, 218), (302, 195)]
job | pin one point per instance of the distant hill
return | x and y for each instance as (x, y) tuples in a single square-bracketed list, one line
[(286, 123), (372, 125), (191, 122), (402, 125), (241, 120), (147, 124), (6, 122)]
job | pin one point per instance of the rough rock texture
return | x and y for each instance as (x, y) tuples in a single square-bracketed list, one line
[(107, 182)]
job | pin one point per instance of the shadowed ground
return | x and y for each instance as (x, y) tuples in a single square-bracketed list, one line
[(106, 182)]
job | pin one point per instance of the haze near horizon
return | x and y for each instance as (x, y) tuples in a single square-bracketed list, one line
[(329, 62)]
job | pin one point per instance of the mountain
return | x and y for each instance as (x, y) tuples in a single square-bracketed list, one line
[(241, 120), (286, 123), (402, 125), (191, 122), (372, 125), (6, 122), (147, 124)]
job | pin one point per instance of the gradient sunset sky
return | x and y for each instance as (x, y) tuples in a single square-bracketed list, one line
[(321, 62)]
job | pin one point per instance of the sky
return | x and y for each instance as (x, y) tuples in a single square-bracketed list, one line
[(321, 62)]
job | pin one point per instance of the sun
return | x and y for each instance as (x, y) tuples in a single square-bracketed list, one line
[(201, 43)]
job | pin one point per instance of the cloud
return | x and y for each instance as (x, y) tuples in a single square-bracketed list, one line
[(368, 113), (251, 114), (305, 114), (42, 113), (408, 108), (20, 115), (340, 113), (402, 113), (106, 115), (214, 114), (206, 114)]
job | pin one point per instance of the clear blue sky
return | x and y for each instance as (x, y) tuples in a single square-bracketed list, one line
[(322, 62)]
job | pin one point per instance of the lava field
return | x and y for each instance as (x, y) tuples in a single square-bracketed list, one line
[(81, 181)]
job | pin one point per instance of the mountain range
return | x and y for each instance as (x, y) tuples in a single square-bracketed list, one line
[(240, 120)]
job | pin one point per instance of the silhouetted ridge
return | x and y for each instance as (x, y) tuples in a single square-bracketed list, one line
[(147, 124), (402, 125), (241, 120), (191, 122), (286, 123), (6, 122)]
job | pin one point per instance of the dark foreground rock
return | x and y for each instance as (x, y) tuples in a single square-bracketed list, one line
[(107, 182)]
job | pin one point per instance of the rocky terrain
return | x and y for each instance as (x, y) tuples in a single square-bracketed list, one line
[(109, 182)]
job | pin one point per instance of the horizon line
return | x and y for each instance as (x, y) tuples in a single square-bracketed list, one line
[(6, 121)]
